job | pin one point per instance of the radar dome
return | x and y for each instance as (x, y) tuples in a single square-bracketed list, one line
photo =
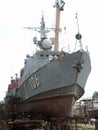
[(47, 44)]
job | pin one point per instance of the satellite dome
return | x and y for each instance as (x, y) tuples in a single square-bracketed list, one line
[(46, 44)]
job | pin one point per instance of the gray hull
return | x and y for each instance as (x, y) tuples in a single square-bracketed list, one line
[(53, 87)]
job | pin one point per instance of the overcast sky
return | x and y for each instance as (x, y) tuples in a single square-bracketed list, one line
[(16, 42)]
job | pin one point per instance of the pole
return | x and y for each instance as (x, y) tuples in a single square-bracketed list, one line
[(57, 28)]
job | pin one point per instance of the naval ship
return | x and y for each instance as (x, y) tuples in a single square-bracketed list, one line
[(51, 80)]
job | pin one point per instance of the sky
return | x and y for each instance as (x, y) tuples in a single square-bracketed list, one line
[(16, 42)]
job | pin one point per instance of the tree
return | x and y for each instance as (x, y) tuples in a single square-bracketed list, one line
[(95, 95)]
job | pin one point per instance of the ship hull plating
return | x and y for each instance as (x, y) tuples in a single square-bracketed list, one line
[(59, 84), (56, 103)]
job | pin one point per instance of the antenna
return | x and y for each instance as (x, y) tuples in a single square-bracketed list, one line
[(78, 35), (77, 22), (42, 29)]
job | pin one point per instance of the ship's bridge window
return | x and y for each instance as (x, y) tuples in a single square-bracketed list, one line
[(47, 55), (42, 55)]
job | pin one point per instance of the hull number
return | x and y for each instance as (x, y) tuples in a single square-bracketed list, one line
[(34, 81)]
